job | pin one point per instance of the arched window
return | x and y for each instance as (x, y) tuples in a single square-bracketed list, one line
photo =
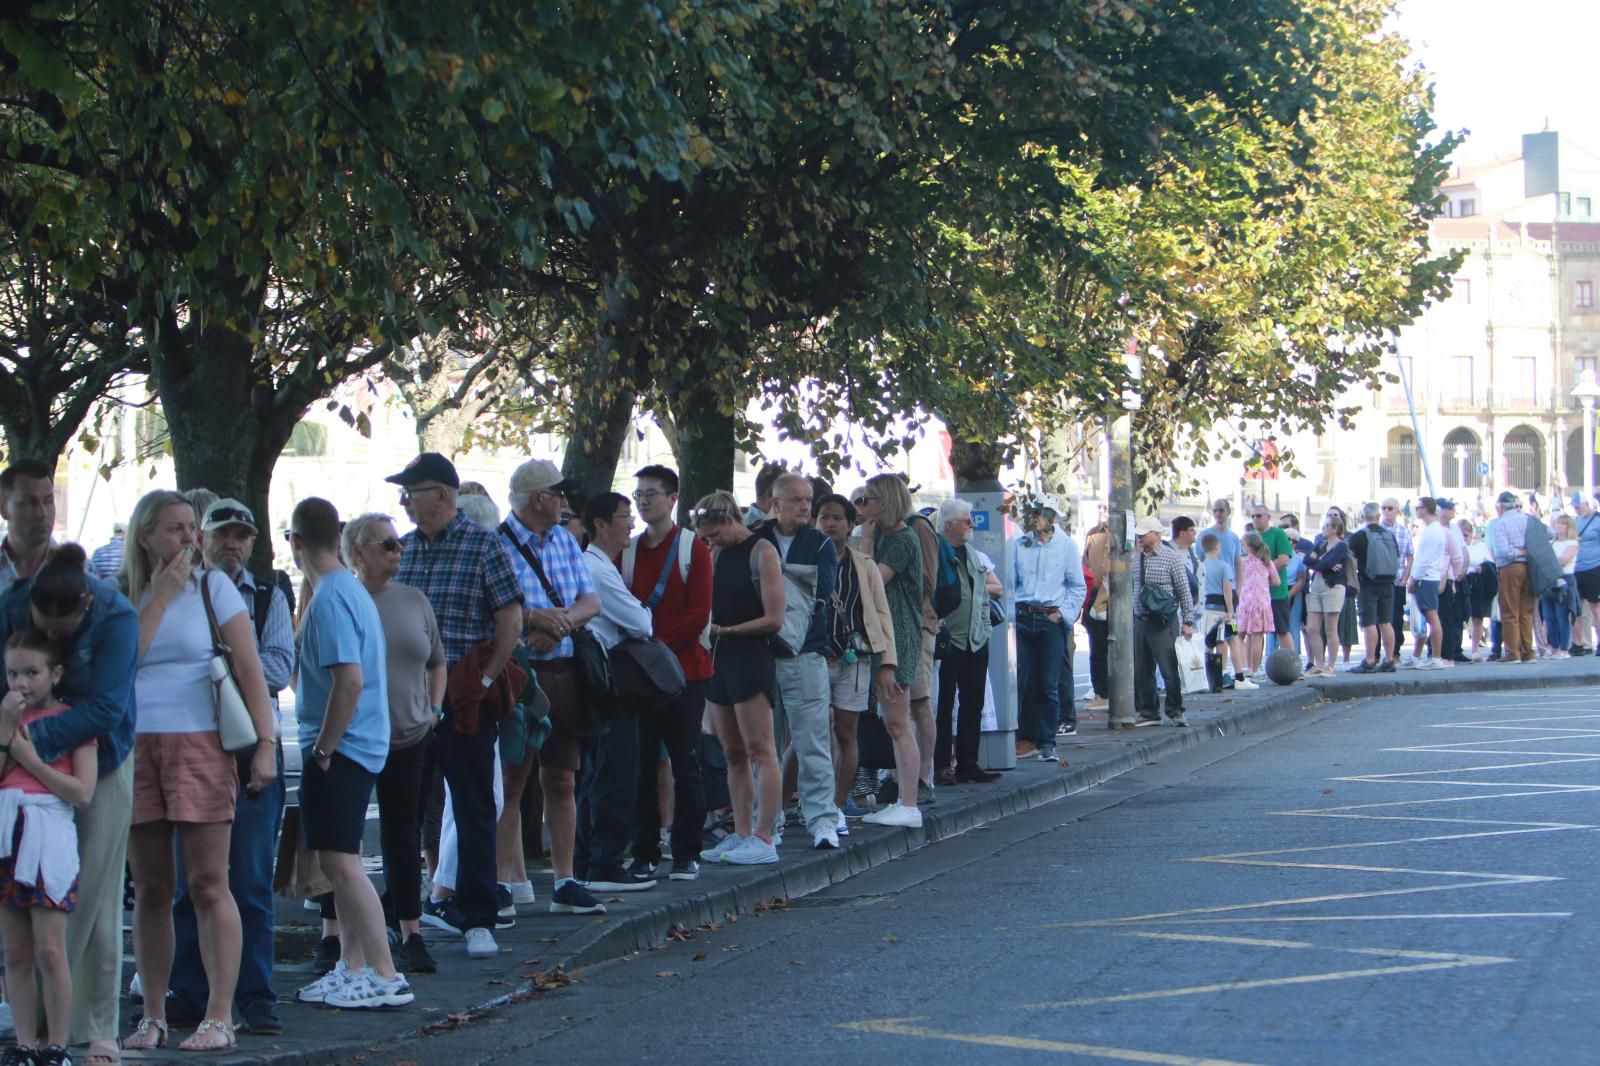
[(1400, 467), (1574, 464), (1524, 450), (1460, 459)]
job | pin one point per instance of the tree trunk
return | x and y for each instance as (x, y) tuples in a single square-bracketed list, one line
[(604, 397), (704, 445), (977, 466)]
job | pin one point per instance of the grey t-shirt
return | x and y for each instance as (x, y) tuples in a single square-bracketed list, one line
[(414, 648)]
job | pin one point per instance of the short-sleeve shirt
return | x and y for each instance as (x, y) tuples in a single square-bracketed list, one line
[(902, 553), (562, 561), (467, 577), (173, 684), (1228, 546), (1277, 543), (1588, 541), (1217, 572), (20, 778), (412, 636), (342, 627)]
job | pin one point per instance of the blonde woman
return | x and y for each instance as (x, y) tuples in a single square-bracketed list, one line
[(747, 599), (1559, 604), (184, 785), (886, 504), (1326, 594)]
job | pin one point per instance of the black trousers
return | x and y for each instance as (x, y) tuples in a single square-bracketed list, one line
[(676, 725), (961, 673), (1099, 637), (468, 764), (607, 790), (400, 802), (1155, 647), (1451, 609)]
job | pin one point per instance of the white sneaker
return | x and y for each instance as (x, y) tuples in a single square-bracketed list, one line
[(753, 852), (1244, 684), (896, 815), (729, 842), (332, 981), (825, 837), (481, 945), (843, 828), (521, 892), (877, 816), (1430, 664), (367, 990)]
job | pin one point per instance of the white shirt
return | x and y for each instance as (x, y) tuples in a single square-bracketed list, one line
[(1431, 551), (173, 684), (1571, 565), (621, 614)]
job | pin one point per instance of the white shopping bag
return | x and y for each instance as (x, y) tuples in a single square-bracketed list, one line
[(1192, 663)]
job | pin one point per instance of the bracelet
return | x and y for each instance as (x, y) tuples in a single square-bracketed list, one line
[(438, 712)]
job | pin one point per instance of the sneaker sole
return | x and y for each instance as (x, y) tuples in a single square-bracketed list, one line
[(439, 923), (573, 908), (685, 877), (400, 999), (764, 861), (616, 886)]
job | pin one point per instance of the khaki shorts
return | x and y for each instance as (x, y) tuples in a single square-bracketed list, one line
[(850, 684), (922, 687), (183, 777), (1323, 598)]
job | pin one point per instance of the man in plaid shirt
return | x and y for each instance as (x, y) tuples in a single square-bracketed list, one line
[(1155, 639), (469, 582)]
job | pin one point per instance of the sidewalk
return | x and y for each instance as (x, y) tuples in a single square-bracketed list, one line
[(541, 942)]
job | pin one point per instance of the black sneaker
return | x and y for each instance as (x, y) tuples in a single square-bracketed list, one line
[(260, 1016), (1364, 667), (324, 961), (1067, 730), (502, 900), (443, 914), (643, 868), (54, 1055), (685, 871), (16, 1055), (572, 898), (616, 879), (1386, 667), (413, 957)]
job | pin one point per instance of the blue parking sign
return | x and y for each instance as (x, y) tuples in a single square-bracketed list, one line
[(980, 520)]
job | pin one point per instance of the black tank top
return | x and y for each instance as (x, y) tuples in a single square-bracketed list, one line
[(734, 596)]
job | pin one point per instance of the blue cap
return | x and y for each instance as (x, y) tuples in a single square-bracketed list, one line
[(1444, 504)]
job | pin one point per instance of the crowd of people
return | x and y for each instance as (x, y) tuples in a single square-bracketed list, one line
[(1510, 589), (445, 670)]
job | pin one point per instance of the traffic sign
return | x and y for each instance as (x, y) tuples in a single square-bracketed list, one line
[(1483, 469)]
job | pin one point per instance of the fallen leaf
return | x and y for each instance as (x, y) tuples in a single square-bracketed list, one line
[(729, 947), (776, 903), (549, 940), (708, 926), (796, 962), (668, 973), (680, 935), (890, 938), (530, 962)]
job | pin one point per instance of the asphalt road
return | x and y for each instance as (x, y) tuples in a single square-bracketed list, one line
[(1400, 881)]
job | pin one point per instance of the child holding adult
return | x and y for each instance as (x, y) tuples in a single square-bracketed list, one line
[(38, 851)]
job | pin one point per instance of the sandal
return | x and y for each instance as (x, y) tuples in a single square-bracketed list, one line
[(148, 1035), (102, 1053), (207, 1026)]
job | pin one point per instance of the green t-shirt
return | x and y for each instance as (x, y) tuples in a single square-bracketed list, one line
[(1277, 542), (902, 553)]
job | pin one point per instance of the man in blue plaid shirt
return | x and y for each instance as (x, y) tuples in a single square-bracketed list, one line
[(469, 582), (534, 532)]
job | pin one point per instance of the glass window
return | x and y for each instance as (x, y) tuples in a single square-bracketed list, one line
[(1585, 207), (1585, 294), (1467, 207)]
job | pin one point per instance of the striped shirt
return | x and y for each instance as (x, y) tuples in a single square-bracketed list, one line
[(558, 553), (107, 559), (1164, 566), (466, 576)]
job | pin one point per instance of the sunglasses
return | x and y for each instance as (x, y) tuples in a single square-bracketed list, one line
[(388, 544), (226, 515), (411, 494), (711, 514)]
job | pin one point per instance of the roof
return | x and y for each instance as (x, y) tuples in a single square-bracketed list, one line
[(1477, 228), (1469, 175), (1570, 231)]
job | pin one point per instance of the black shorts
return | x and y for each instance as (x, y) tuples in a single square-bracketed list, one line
[(742, 669), (1589, 585), (1375, 605), (333, 804), (1280, 616)]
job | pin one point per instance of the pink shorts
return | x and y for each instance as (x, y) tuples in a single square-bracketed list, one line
[(183, 777)]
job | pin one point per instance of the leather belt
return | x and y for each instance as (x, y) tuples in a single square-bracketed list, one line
[(1034, 608)]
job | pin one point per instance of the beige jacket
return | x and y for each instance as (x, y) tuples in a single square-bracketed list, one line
[(1097, 557), (874, 608)]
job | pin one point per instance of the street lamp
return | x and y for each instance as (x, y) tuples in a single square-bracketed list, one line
[(1585, 392)]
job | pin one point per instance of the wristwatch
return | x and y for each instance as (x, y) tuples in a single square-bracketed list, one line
[(319, 755), (488, 682)]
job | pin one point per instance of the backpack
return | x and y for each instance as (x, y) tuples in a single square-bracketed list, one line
[(684, 553), (1383, 554), (947, 588)]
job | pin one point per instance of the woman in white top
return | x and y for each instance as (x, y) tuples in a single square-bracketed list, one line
[(184, 785), (1559, 604)]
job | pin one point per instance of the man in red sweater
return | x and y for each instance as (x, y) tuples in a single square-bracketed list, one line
[(654, 567)]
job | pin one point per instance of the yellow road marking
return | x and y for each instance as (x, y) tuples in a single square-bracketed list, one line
[(899, 1027)]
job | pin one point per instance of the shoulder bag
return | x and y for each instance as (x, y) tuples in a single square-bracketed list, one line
[(799, 602), (596, 693), (1158, 602), (647, 673), (235, 728)]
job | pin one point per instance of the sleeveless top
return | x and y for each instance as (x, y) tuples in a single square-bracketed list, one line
[(734, 596)]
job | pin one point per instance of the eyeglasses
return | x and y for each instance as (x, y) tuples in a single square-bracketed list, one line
[(411, 494), (1388, 507), (646, 495), (388, 544)]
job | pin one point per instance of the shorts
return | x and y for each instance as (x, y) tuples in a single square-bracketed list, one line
[(1427, 595), (1376, 603), (1589, 585), (922, 687), (333, 804), (20, 896), (742, 668), (1210, 618), (183, 777), (1280, 616), (851, 683), (562, 749), (1323, 598)]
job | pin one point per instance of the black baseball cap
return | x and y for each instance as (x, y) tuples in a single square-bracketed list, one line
[(429, 466)]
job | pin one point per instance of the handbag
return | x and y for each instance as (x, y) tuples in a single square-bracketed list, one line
[(997, 614), (597, 703), (1156, 601), (235, 728), (941, 643)]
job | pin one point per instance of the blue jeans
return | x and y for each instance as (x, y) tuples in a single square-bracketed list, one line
[(252, 849), (1555, 606), (1041, 648)]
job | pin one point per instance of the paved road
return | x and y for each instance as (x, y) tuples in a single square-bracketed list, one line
[(1405, 882)]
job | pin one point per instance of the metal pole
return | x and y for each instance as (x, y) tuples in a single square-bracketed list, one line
[(1588, 449), (1416, 430), (1119, 646)]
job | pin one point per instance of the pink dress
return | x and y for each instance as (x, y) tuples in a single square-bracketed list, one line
[(1255, 598)]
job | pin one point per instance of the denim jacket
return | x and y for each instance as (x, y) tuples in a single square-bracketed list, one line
[(96, 679)]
